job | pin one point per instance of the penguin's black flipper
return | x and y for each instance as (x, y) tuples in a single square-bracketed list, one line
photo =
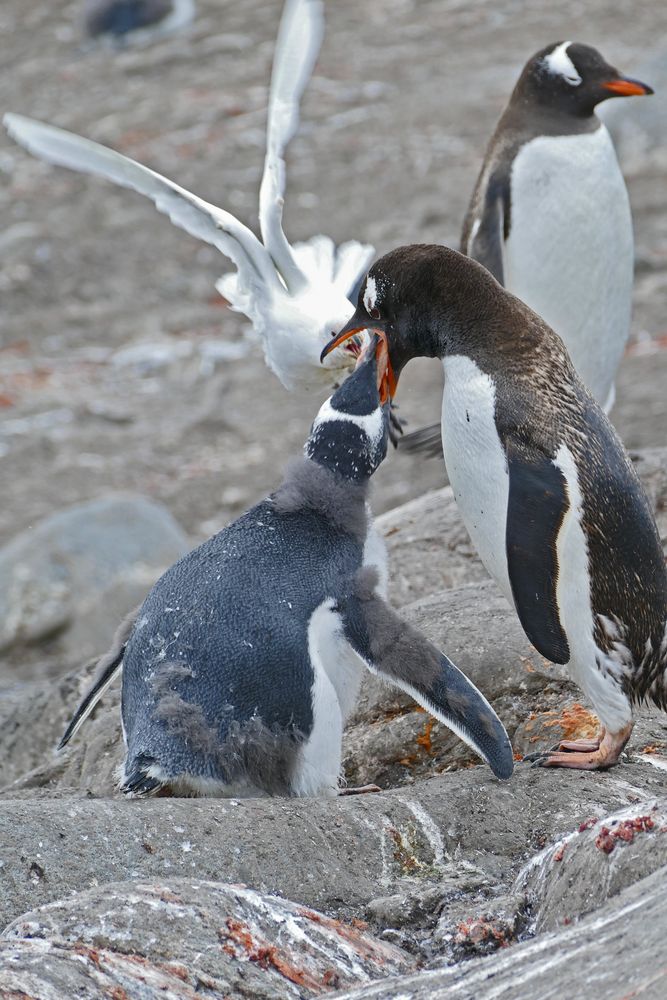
[(397, 652), (426, 441), (537, 504), (485, 234)]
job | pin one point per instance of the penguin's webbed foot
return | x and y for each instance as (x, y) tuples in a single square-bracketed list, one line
[(571, 746), (585, 755)]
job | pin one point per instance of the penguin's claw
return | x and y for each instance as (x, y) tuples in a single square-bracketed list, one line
[(568, 746), (565, 746), (580, 761), (585, 755)]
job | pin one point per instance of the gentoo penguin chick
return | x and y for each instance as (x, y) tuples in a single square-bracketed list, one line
[(244, 661), (136, 21), (550, 216), (543, 483)]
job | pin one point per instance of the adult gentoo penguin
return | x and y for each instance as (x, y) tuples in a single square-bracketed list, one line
[(241, 666), (544, 485), (550, 217), (295, 296)]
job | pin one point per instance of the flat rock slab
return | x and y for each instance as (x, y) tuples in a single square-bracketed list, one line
[(334, 854), (70, 580), (429, 548), (617, 952), (190, 937)]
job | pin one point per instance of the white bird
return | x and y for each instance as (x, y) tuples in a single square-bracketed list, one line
[(294, 296)]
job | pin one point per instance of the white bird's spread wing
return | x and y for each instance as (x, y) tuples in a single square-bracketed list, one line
[(296, 298), (297, 48), (194, 215)]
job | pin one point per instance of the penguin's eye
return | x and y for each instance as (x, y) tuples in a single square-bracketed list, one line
[(374, 313)]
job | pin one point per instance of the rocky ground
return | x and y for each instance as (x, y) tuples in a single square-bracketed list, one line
[(128, 390)]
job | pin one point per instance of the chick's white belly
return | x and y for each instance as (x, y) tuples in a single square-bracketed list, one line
[(476, 462), (569, 254)]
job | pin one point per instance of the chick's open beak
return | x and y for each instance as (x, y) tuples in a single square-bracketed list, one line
[(387, 381)]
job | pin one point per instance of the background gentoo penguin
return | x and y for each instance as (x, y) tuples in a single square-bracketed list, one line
[(295, 296), (245, 659), (136, 21), (544, 485), (550, 216)]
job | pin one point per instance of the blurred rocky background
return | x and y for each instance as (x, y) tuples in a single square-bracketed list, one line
[(137, 417)]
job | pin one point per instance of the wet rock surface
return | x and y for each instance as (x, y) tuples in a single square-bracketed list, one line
[(121, 370), (614, 950), (230, 941)]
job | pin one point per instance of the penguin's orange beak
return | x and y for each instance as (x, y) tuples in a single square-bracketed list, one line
[(625, 87), (387, 381)]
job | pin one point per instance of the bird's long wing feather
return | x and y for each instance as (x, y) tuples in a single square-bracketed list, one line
[(194, 215), (297, 47)]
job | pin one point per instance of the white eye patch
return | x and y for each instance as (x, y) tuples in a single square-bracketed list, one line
[(559, 63), (370, 294)]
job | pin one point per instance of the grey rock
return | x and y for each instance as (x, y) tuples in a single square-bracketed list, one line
[(429, 548), (192, 937), (33, 718), (595, 861), (72, 565), (615, 952), (72, 577), (334, 854)]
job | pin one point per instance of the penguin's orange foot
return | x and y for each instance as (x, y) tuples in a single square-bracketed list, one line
[(586, 755)]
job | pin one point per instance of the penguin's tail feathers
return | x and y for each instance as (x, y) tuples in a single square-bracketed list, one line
[(143, 777), (106, 672), (427, 441)]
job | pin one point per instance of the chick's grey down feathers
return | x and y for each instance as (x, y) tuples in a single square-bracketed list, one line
[(237, 655)]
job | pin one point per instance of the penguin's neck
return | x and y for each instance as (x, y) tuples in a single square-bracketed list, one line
[(310, 486), (526, 117)]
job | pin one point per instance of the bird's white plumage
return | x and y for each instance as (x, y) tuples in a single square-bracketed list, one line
[(295, 297), (317, 767), (338, 671), (478, 473), (476, 461), (570, 212), (598, 673), (559, 63)]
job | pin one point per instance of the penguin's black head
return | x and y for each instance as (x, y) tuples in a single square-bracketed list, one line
[(422, 301), (349, 435), (573, 78)]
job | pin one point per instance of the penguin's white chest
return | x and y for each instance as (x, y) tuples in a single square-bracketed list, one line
[(569, 253), (476, 461)]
